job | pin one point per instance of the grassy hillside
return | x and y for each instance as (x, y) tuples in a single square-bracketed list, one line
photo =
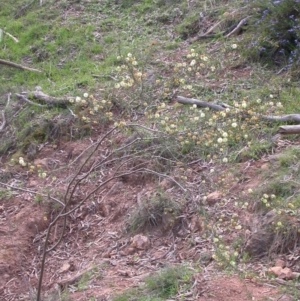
[(127, 67)]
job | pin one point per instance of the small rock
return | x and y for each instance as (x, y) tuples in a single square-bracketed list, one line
[(43, 162), (213, 197), (66, 266), (280, 263), (275, 270), (140, 242), (286, 273), (283, 273), (295, 275)]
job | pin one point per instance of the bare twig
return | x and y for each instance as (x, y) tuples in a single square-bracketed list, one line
[(72, 113), (33, 192), (235, 30), (15, 65), (211, 29), (11, 36)]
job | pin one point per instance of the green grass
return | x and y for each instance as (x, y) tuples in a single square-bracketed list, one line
[(160, 286)]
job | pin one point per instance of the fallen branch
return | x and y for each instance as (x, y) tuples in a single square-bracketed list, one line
[(11, 36), (45, 98), (3, 113), (211, 29), (225, 33), (50, 100), (283, 118), (11, 64), (237, 28), (200, 103), (289, 129), (22, 97), (64, 283), (285, 129)]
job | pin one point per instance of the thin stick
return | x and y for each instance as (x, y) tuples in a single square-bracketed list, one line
[(15, 65), (241, 23), (11, 36), (33, 192)]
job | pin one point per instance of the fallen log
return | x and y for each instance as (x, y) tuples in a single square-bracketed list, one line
[(200, 103), (289, 129), (45, 98)]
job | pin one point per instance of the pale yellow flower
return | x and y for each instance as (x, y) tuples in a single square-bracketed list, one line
[(193, 63)]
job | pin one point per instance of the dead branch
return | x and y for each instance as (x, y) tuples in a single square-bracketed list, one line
[(11, 64), (3, 113), (237, 28), (200, 103), (50, 100), (211, 29), (289, 129), (42, 97), (225, 33), (32, 191), (11, 36), (285, 129), (22, 97), (283, 118), (73, 279)]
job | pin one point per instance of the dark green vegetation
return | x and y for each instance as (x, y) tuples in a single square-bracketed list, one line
[(160, 286), (279, 38)]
